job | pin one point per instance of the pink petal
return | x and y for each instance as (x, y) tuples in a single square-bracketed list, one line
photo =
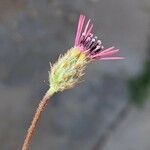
[(108, 49), (89, 31), (87, 25), (106, 54), (79, 29), (111, 58), (79, 22)]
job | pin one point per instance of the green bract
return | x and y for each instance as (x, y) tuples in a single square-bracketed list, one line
[(67, 70)]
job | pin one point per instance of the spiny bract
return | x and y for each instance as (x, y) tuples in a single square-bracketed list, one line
[(67, 70)]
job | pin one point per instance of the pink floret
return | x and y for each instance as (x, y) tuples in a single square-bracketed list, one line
[(87, 42)]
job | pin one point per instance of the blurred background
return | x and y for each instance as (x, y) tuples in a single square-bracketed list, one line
[(110, 110)]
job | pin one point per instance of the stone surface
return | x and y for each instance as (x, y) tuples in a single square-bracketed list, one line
[(133, 132)]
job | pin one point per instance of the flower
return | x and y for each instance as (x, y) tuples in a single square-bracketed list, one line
[(69, 68), (87, 42)]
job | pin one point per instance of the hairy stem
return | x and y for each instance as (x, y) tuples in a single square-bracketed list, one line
[(43, 103)]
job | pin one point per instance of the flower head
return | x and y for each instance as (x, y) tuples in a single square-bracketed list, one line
[(67, 71), (87, 42)]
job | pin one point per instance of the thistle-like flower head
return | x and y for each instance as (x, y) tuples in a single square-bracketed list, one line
[(90, 44), (67, 71)]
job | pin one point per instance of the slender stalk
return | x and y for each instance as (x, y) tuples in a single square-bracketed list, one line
[(43, 103)]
